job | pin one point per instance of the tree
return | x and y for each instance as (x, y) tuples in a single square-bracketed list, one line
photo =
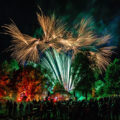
[(4, 81), (6, 74), (29, 82), (112, 78), (99, 87), (9, 67), (83, 71)]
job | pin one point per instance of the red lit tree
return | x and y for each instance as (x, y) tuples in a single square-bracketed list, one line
[(4, 81), (29, 82)]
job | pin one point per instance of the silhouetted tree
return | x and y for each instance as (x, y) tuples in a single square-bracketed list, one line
[(112, 78), (82, 66)]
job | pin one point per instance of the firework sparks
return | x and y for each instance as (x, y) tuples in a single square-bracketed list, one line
[(54, 31), (87, 40), (60, 66), (26, 48)]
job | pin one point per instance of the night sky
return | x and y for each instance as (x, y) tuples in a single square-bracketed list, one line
[(106, 14)]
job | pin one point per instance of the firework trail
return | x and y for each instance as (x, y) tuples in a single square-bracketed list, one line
[(60, 66), (87, 40), (25, 48)]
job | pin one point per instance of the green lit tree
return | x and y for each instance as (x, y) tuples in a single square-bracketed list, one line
[(99, 88), (10, 67), (112, 78), (83, 71)]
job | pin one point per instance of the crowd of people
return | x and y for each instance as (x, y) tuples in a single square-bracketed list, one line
[(103, 109)]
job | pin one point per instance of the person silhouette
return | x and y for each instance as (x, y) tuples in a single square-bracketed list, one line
[(21, 110)]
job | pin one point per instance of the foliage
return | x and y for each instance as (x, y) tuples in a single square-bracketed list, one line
[(29, 82), (83, 71), (9, 67), (112, 78), (22, 81), (4, 81), (6, 74), (99, 87)]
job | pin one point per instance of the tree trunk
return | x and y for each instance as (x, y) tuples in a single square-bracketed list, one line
[(86, 95), (74, 93), (93, 92)]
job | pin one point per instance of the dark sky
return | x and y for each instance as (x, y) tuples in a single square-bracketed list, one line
[(23, 13)]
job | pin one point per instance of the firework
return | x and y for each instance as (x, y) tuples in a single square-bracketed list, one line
[(54, 31), (60, 66), (87, 40), (26, 48)]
